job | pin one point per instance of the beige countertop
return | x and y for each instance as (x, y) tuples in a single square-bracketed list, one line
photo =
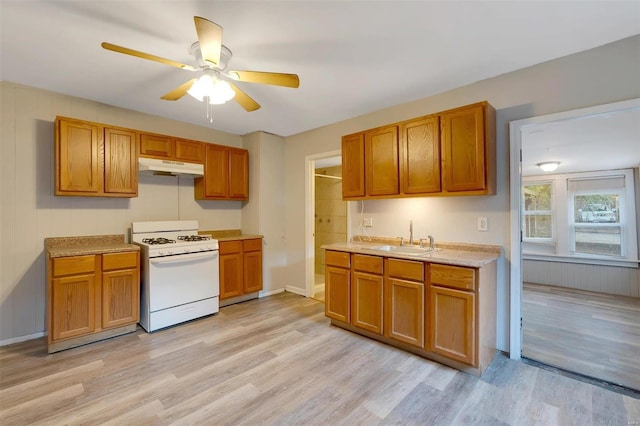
[(87, 245), (229, 235), (461, 254)]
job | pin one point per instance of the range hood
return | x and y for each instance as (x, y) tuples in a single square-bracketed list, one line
[(169, 167)]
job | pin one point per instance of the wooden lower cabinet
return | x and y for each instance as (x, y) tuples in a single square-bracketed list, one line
[(453, 324), (337, 293), (73, 302), (405, 311), (434, 310), (366, 301), (92, 297), (240, 267)]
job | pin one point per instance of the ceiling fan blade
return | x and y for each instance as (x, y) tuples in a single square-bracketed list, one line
[(148, 56), (244, 100), (273, 78), (179, 91), (210, 38)]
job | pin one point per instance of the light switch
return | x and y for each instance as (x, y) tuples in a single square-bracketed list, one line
[(483, 223)]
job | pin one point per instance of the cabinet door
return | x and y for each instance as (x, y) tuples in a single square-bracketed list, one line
[(420, 156), (216, 174), (189, 151), (353, 166), (463, 149), (120, 298), (252, 271), (366, 301), (239, 174), (78, 164), (157, 146), (453, 324), (231, 283), (73, 309), (404, 311), (120, 162), (381, 161), (337, 293)]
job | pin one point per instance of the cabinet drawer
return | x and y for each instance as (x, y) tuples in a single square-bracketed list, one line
[(406, 269), (227, 247), (74, 265), (337, 258), (453, 276), (126, 260), (372, 264), (252, 245)]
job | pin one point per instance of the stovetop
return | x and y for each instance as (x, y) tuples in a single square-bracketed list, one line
[(168, 238)]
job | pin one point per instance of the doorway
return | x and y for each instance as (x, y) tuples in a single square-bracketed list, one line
[(327, 215), (575, 301)]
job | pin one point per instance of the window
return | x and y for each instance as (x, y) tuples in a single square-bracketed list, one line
[(537, 221), (580, 217), (596, 227)]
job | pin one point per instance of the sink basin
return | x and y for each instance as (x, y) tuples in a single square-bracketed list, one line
[(406, 250)]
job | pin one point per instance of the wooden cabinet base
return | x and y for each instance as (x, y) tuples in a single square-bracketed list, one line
[(484, 362), (61, 345)]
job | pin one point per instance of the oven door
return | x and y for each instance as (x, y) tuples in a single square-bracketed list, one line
[(184, 278)]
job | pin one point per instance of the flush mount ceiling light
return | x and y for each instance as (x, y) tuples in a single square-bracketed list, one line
[(548, 166)]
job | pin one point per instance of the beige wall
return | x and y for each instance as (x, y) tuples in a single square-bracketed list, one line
[(263, 213), (602, 75), (330, 212), (29, 211)]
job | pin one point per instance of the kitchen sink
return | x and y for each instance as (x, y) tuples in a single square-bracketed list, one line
[(406, 250)]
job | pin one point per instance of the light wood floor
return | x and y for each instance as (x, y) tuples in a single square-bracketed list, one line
[(278, 361), (594, 334)]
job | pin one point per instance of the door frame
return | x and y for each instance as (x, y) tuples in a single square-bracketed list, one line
[(310, 212), (516, 129)]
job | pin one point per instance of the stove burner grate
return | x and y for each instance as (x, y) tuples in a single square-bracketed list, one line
[(193, 238), (159, 240)]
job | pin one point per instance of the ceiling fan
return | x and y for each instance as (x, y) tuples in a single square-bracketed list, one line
[(211, 59)]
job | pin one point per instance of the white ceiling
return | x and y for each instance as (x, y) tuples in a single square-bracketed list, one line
[(606, 141), (353, 57)]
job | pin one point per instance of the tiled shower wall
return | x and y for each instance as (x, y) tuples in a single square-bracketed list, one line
[(331, 213)]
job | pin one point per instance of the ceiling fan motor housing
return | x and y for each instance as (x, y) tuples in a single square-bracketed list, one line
[(225, 57)]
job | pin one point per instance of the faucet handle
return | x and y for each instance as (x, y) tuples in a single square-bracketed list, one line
[(401, 241)]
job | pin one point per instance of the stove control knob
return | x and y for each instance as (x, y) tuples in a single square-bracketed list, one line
[(186, 250), (161, 252), (169, 251)]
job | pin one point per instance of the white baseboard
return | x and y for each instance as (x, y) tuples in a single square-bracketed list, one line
[(270, 293), (296, 290), (318, 288), (21, 338)]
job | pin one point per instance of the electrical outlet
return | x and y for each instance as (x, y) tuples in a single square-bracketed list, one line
[(367, 222), (483, 223)]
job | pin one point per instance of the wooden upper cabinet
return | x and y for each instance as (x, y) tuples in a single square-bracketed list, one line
[(93, 160), (420, 156), (77, 151), (189, 151), (353, 166), (468, 139), (120, 162), (157, 146), (226, 174), (238, 174), (215, 183), (381, 160)]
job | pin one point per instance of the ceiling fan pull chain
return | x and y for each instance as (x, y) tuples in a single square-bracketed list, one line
[(209, 109)]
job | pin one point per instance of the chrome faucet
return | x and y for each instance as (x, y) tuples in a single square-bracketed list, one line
[(430, 238), (410, 232)]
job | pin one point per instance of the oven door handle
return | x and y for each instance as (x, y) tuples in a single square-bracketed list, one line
[(183, 257)]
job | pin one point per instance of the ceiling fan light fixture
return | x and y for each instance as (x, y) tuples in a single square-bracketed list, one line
[(217, 91), (548, 166)]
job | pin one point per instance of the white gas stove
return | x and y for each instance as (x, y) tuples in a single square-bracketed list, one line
[(179, 272)]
